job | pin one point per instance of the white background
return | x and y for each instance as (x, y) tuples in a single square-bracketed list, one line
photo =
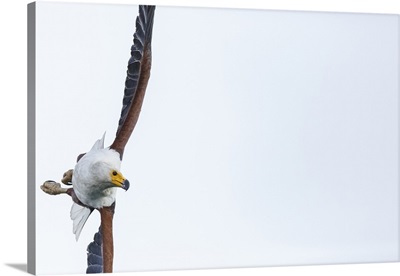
[(15, 231)]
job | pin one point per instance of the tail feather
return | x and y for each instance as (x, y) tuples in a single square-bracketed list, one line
[(99, 144), (79, 215)]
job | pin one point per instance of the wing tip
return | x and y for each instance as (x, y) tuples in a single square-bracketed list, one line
[(95, 254), (140, 49)]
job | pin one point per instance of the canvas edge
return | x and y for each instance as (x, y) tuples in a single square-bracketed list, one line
[(398, 135), (31, 112)]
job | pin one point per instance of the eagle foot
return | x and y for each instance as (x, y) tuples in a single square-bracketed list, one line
[(53, 188), (67, 177)]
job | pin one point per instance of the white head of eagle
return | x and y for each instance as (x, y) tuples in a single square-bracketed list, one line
[(97, 175)]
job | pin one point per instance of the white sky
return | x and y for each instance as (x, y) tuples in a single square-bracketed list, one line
[(265, 138)]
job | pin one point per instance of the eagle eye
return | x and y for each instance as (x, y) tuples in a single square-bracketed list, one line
[(114, 173)]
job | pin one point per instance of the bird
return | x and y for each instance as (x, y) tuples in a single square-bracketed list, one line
[(96, 175), (95, 178)]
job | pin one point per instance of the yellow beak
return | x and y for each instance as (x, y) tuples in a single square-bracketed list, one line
[(119, 180)]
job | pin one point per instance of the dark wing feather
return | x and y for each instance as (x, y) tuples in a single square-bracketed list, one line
[(94, 254), (138, 74)]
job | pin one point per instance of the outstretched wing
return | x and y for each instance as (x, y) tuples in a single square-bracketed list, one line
[(138, 74)]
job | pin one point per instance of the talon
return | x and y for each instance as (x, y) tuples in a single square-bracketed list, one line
[(67, 177)]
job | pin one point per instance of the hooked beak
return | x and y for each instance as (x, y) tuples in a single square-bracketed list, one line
[(125, 185), (119, 180)]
